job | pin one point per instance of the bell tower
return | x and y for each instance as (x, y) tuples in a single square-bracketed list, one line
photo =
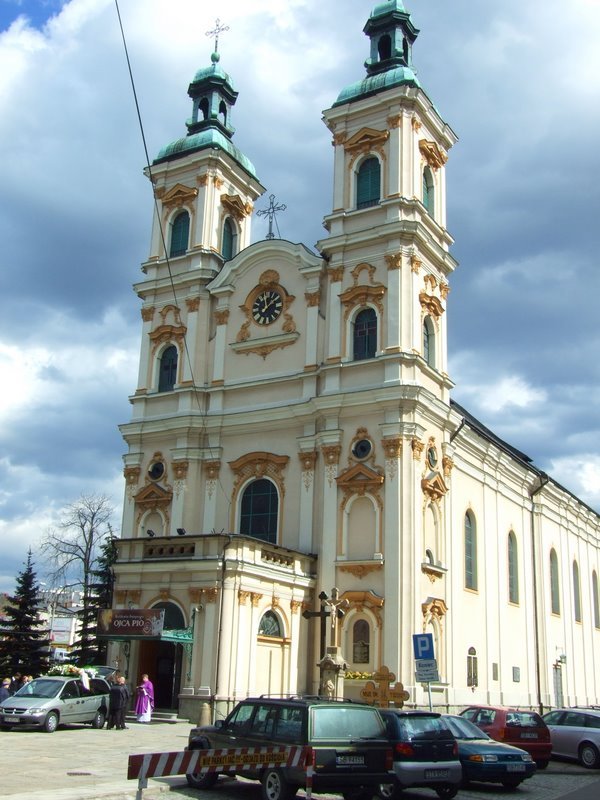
[(389, 206)]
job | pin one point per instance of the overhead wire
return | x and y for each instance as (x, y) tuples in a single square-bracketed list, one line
[(196, 393)]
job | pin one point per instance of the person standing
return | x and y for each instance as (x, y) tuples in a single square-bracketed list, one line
[(144, 704), (117, 704), (5, 689)]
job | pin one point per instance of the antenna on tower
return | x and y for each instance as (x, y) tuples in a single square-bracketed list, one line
[(271, 212)]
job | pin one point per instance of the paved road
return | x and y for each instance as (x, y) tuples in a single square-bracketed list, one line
[(80, 763)]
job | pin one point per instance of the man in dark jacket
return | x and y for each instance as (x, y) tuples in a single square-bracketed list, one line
[(5, 689), (117, 704)]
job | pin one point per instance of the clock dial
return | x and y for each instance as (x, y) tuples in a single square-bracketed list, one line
[(267, 307)]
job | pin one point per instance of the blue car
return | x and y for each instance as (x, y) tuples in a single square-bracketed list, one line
[(484, 759)]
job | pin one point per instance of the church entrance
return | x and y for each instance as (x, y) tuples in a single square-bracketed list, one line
[(162, 660)]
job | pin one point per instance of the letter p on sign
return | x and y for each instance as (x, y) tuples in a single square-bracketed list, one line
[(423, 646)]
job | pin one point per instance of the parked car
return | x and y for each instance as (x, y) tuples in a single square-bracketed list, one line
[(484, 759), (525, 729), (52, 700), (347, 741), (575, 733), (425, 753)]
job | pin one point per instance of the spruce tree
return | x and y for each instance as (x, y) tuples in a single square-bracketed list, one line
[(24, 644), (103, 579)]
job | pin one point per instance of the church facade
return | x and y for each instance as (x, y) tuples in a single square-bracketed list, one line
[(293, 431)]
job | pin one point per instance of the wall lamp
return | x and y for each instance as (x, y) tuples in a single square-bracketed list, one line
[(181, 531), (150, 533)]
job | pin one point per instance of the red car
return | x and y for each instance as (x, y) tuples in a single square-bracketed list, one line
[(524, 729)]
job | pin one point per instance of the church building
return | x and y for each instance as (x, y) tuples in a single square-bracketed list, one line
[(293, 431)]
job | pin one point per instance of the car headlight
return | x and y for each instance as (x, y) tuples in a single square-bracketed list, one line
[(483, 758), (526, 757), (35, 711)]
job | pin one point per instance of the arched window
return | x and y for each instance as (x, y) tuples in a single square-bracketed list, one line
[(576, 593), (595, 600), (270, 625), (428, 191), (361, 636), (259, 510), (513, 569), (167, 375), (554, 583), (472, 677), (173, 619), (180, 234), (223, 112), (470, 552), (384, 47), (203, 107), (229, 244), (429, 342), (368, 183), (365, 334)]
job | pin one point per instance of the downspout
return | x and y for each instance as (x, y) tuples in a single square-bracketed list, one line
[(536, 627), (220, 632)]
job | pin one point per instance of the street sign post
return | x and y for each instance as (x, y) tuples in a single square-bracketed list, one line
[(426, 670)]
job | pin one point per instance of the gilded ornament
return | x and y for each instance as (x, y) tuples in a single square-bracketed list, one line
[(394, 121), (192, 304), (148, 313), (394, 261), (432, 154), (336, 274), (392, 446), (417, 448), (312, 299), (221, 316)]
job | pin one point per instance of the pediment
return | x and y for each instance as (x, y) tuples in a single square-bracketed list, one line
[(360, 478), (366, 139), (234, 204), (179, 195), (153, 496), (432, 154), (434, 486)]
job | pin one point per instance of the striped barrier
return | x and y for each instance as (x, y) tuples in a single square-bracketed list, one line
[(223, 761)]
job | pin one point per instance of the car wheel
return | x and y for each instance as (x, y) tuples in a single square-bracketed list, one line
[(388, 791), (99, 720), (275, 786), (588, 756), (541, 764), (510, 784), (51, 722), (199, 780), (446, 792)]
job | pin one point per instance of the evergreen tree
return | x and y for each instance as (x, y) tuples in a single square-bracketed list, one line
[(24, 645), (101, 594)]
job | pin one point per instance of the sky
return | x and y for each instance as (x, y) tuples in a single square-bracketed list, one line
[(519, 82)]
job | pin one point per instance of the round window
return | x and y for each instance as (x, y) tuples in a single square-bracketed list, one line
[(362, 449), (156, 470)]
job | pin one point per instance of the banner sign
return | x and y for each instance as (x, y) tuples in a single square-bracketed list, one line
[(131, 623)]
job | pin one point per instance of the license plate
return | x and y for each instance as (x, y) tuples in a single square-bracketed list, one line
[(437, 773), (529, 736), (515, 767), (348, 760)]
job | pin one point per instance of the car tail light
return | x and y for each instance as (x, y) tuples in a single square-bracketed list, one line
[(455, 749), (309, 757), (389, 759), (404, 749)]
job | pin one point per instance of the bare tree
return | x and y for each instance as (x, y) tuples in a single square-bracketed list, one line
[(72, 551)]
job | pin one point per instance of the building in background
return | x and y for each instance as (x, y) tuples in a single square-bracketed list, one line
[(293, 430)]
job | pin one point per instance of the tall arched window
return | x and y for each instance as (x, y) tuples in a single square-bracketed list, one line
[(229, 244), (167, 375), (576, 593), (472, 676), (554, 583), (429, 342), (365, 334), (428, 191), (203, 107), (595, 600), (470, 552), (180, 234), (368, 183), (259, 510), (384, 47), (513, 569), (361, 635)]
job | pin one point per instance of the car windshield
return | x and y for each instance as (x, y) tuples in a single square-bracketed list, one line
[(40, 687), (335, 722), (463, 729), (423, 727)]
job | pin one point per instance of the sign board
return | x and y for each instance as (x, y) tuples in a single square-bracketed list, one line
[(133, 623), (423, 646), (426, 670)]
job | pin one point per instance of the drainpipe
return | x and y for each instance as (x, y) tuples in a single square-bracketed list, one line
[(536, 627)]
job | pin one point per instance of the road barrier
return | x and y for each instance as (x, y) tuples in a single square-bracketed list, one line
[(223, 762)]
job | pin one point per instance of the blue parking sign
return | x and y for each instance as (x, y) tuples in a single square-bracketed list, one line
[(423, 646)]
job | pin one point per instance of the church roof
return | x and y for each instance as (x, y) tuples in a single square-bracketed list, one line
[(209, 137), (371, 84), (382, 9)]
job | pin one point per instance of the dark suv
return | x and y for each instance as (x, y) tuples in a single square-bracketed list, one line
[(345, 742), (425, 753)]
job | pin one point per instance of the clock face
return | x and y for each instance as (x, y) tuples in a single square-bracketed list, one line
[(267, 307)]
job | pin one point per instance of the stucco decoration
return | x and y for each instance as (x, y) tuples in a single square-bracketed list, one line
[(360, 571), (154, 497), (148, 313), (180, 471), (363, 294), (417, 448), (433, 155), (178, 195), (211, 471), (358, 601), (221, 316), (434, 609), (392, 447), (308, 461), (336, 274), (358, 480), (170, 330), (234, 205), (366, 140), (192, 304), (132, 478), (331, 457)]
